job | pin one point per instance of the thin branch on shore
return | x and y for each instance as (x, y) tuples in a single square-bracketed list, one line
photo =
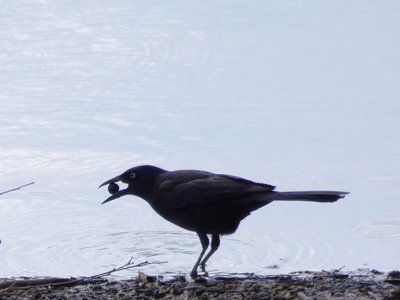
[(338, 270), (13, 284), (129, 265), (12, 190)]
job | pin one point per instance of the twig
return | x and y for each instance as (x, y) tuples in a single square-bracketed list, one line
[(338, 270), (12, 190), (129, 265), (55, 281)]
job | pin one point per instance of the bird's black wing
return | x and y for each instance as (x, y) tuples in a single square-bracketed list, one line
[(186, 188)]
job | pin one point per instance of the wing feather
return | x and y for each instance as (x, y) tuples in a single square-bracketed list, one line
[(181, 189)]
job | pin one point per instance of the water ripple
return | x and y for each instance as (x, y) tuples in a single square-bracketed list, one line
[(381, 230)]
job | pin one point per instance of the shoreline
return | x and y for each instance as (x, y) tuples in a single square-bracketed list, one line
[(300, 285)]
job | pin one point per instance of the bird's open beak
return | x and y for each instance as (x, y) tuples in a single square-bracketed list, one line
[(117, 194)]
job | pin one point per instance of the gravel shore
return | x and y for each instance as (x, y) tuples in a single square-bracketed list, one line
[(301, 285)]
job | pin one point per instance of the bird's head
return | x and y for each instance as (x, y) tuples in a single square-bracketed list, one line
[(140, 181)]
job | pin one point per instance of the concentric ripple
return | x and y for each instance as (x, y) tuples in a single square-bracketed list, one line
[(380, 230)]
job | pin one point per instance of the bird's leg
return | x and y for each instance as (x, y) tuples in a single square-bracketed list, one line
[(214, 247), (204, 244)]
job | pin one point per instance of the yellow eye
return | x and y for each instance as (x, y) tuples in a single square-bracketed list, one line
[(132, 175)]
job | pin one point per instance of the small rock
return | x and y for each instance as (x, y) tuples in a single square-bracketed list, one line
[(146, 278), (177, 290), (199, 292), (97, 288), (112, 290), (181, 278), (302, 296), (263, 296), (394, 274)]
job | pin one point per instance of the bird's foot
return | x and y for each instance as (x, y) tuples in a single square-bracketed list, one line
[(203, 268), (194, 274)]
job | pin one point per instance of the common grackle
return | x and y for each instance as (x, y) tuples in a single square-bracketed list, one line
[(203, 202)]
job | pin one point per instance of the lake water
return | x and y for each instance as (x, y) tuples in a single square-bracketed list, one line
[(303, 95)]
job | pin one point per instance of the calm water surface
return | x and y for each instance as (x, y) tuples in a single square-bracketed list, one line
[(298, 94)]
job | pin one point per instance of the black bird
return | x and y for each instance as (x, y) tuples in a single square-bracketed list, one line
[(203, 202)]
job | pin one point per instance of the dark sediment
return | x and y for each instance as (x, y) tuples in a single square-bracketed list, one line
[(302, 285)]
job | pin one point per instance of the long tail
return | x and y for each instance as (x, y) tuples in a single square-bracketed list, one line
[(314, 196)]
